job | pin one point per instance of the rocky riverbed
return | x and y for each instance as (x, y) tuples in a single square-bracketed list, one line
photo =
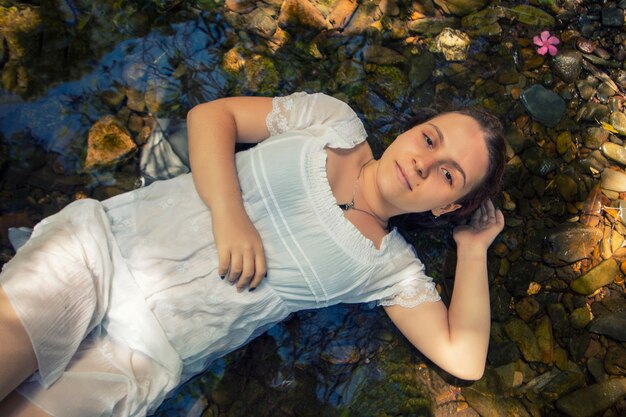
[(83, 82)]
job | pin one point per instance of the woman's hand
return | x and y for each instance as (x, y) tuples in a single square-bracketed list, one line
[(483, 227), (239, 248)]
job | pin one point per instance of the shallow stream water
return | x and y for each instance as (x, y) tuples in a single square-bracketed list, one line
[(105, 70)]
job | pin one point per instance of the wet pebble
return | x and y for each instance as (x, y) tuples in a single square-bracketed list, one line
[(377, 54), (570, 242), (567, 65), (545, 339), (452, 43), (612, 325), (594, 399), (595, 137), (597, 277), (567, 187), (615, 152), (587, 88), (585, 45), (613, 180), (615, 360), (527, 308), (544, 105), (523, 336), (617, 119), (593, 112), (612, 16), (580, 317), (107, 143)]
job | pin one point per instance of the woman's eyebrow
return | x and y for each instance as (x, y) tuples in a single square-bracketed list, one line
[(451, 162)]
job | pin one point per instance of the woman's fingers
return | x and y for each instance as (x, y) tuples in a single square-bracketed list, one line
[(236, 267), (244, 269), (259, 271), (224, 262)]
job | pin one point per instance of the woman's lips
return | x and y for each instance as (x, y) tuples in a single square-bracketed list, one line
[(402, 177)]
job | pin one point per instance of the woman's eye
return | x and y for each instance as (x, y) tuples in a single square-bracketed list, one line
[(448, 176), (428, 140)]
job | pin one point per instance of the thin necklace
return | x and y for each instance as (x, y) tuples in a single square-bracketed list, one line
[(350, 205)]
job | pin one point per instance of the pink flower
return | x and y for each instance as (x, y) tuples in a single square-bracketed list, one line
[(546, 43)]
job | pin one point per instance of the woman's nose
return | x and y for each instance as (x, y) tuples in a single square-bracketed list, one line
[(423, 165)]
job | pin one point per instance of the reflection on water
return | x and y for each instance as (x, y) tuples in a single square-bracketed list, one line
[(59, 120), (73, 69)]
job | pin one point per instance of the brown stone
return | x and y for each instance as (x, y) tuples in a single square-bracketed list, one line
[(108, 143)]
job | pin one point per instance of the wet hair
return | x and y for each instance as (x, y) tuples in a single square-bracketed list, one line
[(488, 188)]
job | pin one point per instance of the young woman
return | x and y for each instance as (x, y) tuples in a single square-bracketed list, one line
[(112, 305)]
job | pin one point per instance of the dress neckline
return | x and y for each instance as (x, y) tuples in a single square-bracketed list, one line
[(345, 233)]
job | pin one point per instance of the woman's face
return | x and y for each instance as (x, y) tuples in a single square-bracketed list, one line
[(432, 165)]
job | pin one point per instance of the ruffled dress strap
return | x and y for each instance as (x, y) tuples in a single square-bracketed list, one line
[(301, 110)]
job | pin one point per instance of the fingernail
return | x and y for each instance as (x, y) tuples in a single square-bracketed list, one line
[(251, 288)]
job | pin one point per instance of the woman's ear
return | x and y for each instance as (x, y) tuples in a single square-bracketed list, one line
[(445, 209)]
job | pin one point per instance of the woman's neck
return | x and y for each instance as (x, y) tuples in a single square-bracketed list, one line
[(371, 199)]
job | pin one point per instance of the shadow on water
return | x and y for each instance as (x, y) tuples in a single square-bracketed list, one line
[(67, 66)]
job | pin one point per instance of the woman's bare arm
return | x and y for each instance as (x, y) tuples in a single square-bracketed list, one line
[(457, 339), (213, 130)]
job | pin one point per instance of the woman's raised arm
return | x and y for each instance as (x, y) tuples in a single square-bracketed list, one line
[(457, 339), (213, 130)]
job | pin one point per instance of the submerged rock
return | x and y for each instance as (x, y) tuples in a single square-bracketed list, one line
[(453, 44), (524, 338), (567, 65), (108, 142), (302, 13), (613, 16), (612, 325), (613, 180), (615, 152), (461, 7), (592, 400), (530, 15), (544, 105), (617, 119), (597, 277), (570, 242)]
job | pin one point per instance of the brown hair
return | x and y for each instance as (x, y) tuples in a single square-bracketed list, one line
[(491, 183)]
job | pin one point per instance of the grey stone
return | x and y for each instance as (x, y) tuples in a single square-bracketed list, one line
[(593, 112), (567, 65), (537, 162), (544, 105), (595, 162), (586, 88), (612, 16), (615, 360), (595, 137), (554, 383), (594, 399), (612, 325), (567, 187)]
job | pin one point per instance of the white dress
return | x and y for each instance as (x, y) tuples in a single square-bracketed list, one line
[(122, 299)]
